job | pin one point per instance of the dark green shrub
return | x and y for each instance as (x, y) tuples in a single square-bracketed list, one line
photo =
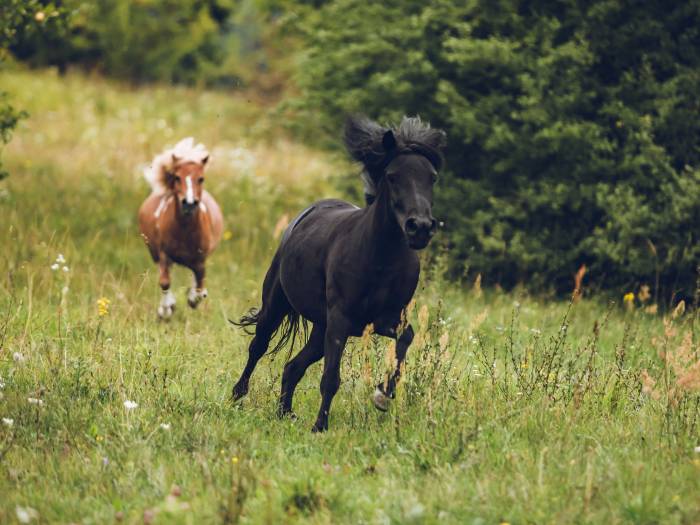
[(573, 127)]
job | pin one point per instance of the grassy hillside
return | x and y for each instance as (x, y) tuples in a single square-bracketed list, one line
[(513, 409)]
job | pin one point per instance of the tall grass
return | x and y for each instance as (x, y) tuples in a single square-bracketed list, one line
[(511, 409)]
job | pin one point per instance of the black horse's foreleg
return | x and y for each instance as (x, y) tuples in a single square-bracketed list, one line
[(385, 391), (295, 369), (333, 345)]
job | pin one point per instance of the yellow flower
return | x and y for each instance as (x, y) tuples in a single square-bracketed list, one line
[(103, 306), (228, 235), (234, 459), (629, 297), (40, 16)]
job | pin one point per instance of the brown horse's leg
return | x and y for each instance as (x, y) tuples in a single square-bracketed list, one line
[(334, 343), (167, 302), (385, 391), (198, 292), (295, 369)]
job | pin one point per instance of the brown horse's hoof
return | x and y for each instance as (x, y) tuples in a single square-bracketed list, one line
[(196, 296), (380, 400), (167, 306)]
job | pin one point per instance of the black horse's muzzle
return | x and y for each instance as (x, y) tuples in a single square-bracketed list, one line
[(419, 231)]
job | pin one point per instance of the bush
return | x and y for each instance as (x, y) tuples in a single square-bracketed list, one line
[(573, 130), (210, 42), (15, 17)]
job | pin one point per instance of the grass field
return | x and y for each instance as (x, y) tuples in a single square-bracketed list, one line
[(513, 408)]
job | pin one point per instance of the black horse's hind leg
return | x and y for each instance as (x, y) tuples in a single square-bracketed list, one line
[(335, 338), (275, 307), (385, 390), (295, 369)]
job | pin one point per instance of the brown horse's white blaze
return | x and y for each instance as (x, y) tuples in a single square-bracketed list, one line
[(180, 221)]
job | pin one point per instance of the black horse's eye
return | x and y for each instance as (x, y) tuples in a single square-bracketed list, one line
[(434, 177), (201, 180)]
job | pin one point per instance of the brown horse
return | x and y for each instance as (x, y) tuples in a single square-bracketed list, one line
[(180, 221)]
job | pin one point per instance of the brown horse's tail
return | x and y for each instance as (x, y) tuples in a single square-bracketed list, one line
[(290, 327)]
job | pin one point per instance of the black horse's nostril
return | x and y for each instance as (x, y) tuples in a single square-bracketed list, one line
[(433, 226), (411, 226)]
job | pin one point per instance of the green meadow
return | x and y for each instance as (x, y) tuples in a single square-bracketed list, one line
[(513, 408)]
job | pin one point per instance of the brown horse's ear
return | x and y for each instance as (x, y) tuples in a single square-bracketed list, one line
[(176, 159), (170, 179), (205, 160)]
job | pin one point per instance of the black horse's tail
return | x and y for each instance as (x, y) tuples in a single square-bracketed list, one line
[(289, 328)]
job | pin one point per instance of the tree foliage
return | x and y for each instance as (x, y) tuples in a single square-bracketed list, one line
[(204, 42), (573, 127)]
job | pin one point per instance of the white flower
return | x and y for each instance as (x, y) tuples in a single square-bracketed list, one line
[(8, 421), (60, 259), (26, 514), (165, 426), (535, 331), (2, 383), (64, 290), (130, 405), (18, 358), (35, 401), (55, 266), (697, 450), (65, 269)]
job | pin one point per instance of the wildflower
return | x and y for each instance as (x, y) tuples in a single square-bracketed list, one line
[(105, 461), (26, 514), (40, 16), (17, 357), (35, 401), (65, 269), (628, 299), (60, 259), (228, 235), (64, 290), (103, 306), (2, 383), (55, 266), (130, 405), (165, 426), (8, 421), (535, 331), (696, 449), (234, 459)]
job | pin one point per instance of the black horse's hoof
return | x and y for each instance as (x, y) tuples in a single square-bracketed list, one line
[(286, 414), (319, 427), (380, 400), (239, 392)]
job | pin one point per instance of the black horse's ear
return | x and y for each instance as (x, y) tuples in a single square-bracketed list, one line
[(389, 141)]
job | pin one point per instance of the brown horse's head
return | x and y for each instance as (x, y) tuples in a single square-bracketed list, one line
[(185, 181)]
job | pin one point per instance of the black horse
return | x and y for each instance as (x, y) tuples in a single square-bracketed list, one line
[(341, 267)]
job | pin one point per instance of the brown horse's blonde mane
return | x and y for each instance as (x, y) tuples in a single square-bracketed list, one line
[(183, 151)]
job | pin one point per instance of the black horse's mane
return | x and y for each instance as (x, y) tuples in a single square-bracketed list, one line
[(364, 141)]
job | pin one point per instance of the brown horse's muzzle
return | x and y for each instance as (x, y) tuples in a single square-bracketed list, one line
[(189, 208)]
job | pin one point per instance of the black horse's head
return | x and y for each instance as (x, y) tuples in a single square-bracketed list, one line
[(403, 162)]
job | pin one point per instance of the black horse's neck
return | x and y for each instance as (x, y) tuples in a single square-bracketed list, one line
[(383, 238)]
